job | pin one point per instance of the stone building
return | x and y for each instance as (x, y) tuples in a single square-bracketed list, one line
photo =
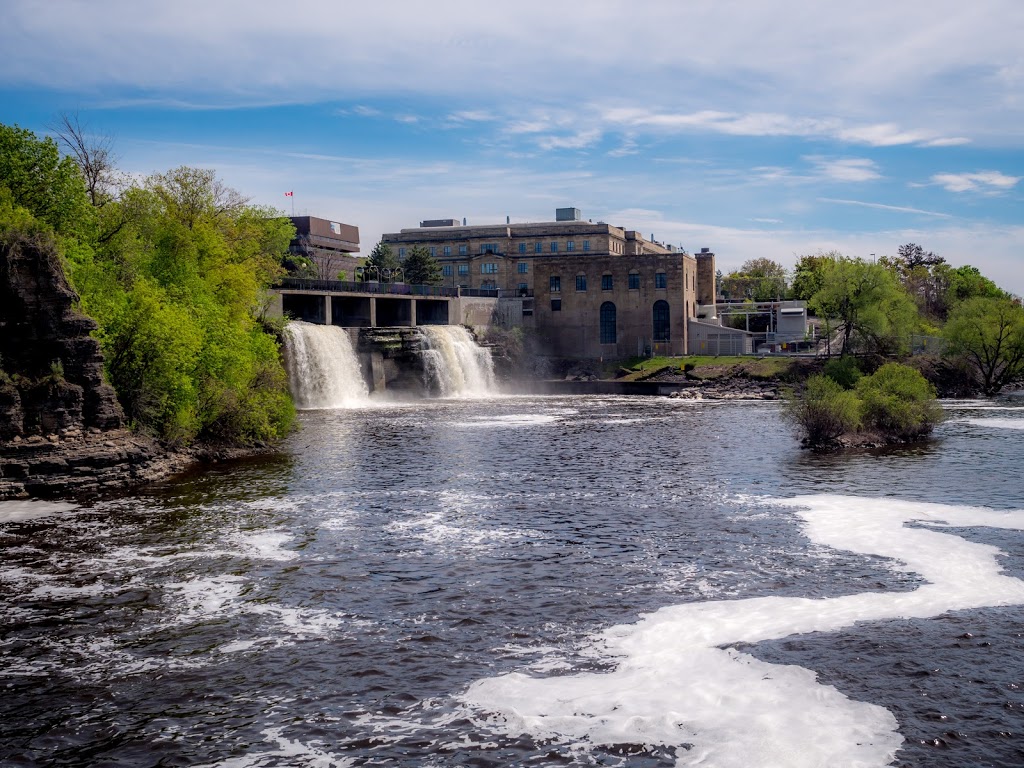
[(330, 245), (590, 290)]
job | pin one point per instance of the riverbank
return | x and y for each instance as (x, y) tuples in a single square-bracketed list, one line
[(91, 462)]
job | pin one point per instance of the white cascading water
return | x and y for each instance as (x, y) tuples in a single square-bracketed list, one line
[(454, 364), (323, 370)]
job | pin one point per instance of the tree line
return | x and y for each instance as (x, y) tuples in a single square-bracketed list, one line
[(876, 307), (174, 268)]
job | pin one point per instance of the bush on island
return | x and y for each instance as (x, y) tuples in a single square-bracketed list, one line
[(898, 403), (824, 412), (895, 404)]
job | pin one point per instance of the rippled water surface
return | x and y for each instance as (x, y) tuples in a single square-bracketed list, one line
[(532, 581)]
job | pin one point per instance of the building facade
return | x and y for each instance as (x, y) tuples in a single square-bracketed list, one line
[(330, 245), (589, 290)]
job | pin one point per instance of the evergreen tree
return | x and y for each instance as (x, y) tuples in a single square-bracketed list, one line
[(381, 263), (421, 268)]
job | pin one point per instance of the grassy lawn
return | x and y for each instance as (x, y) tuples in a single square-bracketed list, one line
[(703, 367)]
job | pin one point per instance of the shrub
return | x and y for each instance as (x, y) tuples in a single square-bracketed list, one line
[(824, 412), (898, 402), (845, 371)]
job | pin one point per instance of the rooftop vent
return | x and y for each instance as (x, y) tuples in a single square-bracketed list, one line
[(568, 214), (440, 223)]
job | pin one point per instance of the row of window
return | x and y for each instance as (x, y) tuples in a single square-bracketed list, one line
[(487, 268), (538, 247), (660, 321), (607, 282)]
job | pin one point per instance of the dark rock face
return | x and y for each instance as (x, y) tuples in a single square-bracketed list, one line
[(52, 370)]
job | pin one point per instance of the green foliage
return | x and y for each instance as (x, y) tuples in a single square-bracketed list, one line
[(42, 182), (988, 333), (421, 268), (808, 275), (824, 412), (866, 303), (845, 371), (178, 289), (382, 261), (898, 402), (758, 279)]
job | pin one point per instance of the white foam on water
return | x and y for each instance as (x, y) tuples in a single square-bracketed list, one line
[(264, 545), (676, 683), (287, 752), (518, 420), (997, 423), (323, 369), (22, 511)]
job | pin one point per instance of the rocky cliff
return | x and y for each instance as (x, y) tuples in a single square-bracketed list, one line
[(61, 427)]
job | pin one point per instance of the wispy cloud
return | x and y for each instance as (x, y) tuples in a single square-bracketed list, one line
[(773, 124), (884, 207), (981, 181), (580, 140), (855, 169)]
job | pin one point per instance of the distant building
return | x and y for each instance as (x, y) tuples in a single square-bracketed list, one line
[(330, 245), (589, 290)]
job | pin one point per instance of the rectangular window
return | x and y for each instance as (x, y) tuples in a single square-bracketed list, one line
[(586, 245), (447, 250), (488, 285), (660, 280), (556, 305), (581, 282), (433, 252), (538, 247), (606, 282), (463, 269), (522, 247), (570, 245), (490, 268), (401, 253), (634, 281), (488, 248), (522, 267), (523, 288), (446, 270), (554, 246), (463, 250), (555, 283)]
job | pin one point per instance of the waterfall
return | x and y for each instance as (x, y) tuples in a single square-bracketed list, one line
[(323, 370), (453, 363)]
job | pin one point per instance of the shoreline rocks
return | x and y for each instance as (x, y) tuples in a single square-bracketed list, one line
[(95, 462)]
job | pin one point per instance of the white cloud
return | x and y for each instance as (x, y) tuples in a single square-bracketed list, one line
[(580, 140), (855, 169), (982, 181)]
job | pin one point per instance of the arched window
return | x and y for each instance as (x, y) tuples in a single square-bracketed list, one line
[(608, 323), (661, 321)]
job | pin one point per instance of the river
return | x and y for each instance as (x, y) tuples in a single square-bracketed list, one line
[(532, 581)]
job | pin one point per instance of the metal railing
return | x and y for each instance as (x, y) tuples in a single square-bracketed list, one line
[(369, 286)]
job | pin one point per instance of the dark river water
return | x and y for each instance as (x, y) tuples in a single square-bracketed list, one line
[(536, 581)]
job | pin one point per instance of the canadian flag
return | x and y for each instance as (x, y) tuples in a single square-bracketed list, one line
[(289, 194)]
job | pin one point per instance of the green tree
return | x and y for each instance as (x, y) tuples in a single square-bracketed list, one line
[(808, 275), (41, 181), (866, 304), (382, 261), (421, 268), (758, 279), (989, 334)]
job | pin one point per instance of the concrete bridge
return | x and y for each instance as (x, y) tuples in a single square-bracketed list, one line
[(380, 305)]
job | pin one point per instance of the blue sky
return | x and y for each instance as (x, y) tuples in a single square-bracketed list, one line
[(752, 128)]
